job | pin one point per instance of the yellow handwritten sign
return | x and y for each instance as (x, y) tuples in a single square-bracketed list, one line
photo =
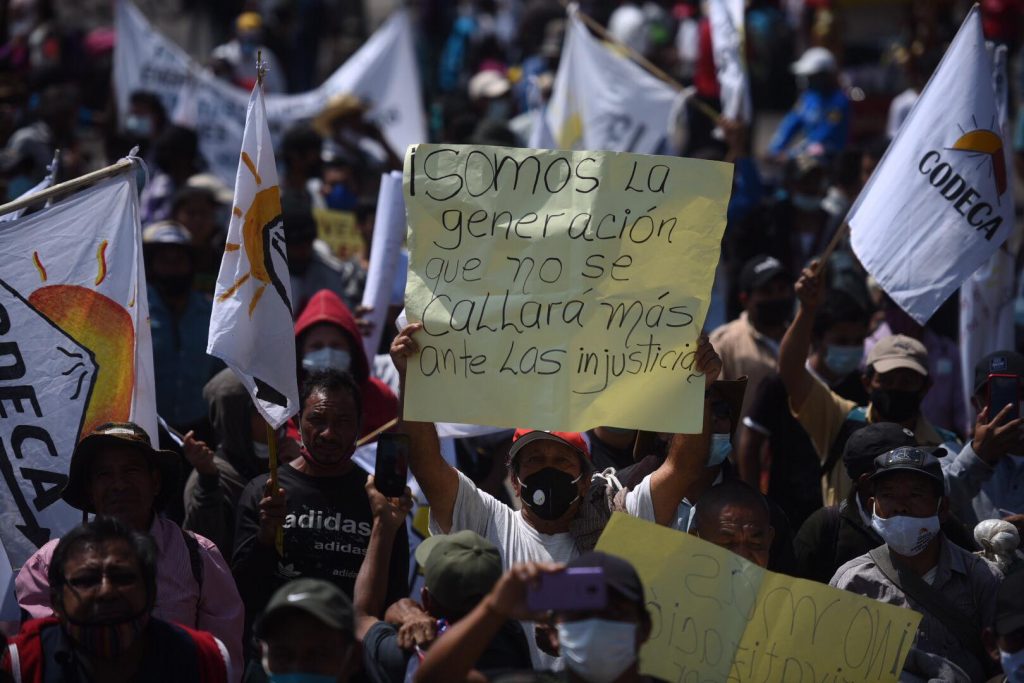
[(717, 617), (339, 230), (560, 290)]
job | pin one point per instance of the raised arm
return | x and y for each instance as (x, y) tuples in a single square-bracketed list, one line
[(796, 343), (688, 453), (438, 479), (372, 581)]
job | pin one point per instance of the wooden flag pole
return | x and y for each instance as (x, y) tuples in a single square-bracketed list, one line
[(272, 470), (68, 186), (657, 71), (840, 233)]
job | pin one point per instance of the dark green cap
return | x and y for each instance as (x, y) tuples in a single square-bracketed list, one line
[(459, 569), (316, 597)]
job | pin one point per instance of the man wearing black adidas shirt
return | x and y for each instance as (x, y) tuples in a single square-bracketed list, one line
[(321, 504)]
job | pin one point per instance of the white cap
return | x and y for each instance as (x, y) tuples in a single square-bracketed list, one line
[(815, 60), (488, 85)]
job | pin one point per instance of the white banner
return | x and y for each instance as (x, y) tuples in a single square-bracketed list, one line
[(602, 100), (388, 234), (251, 323), (75, 349), (382, 72), (727, 42), (940, 203)]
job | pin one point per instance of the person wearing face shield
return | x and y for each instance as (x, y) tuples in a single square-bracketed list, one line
[(103, 589), (820, 118), (919, 568), (895, 377), (750, 344), (551, 475), (597, 646), (327, 337)]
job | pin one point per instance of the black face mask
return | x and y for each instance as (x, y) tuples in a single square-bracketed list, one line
[(549, 492), (773, 311), (895, 405), (173, 285)]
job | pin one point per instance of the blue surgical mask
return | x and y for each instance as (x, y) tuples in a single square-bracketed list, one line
[(327, 358), (598, 650), (1013, 665), (843, 360), (806, 202), (721, 447)]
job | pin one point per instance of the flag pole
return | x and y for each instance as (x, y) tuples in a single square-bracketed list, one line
[(67, 186), (655, 70), (840, 233)]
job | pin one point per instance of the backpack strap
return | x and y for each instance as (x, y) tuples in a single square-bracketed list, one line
[(962, 625), (195, 560)]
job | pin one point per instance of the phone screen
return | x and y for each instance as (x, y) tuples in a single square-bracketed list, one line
[(1003, 390), (392, 468)]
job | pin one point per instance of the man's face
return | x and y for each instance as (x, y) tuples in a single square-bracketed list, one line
[(741, 529), (171, 262), (102, 584), (905, 494), (123, 484), (618, 609), (541, 454), (300, 255), (303, 644), (330, 426), (900, 379), (324, 336), (199, 217), (845, 334), (779, 289)]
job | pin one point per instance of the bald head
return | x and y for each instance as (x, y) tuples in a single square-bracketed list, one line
[(734, 516)]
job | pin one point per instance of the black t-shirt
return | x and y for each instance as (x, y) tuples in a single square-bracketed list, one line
[(795, 483), (326, 533), (603, 455)]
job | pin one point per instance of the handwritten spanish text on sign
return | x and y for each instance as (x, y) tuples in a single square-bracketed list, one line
[(717, 617), (560, 290)]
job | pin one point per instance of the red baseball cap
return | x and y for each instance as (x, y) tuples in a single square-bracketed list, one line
[(573, 440)]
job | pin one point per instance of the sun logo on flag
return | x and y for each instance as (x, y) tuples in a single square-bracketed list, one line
[(262, 236), (987, 145), (101, 325)]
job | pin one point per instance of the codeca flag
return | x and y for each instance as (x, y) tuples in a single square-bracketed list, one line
[(939, 203)]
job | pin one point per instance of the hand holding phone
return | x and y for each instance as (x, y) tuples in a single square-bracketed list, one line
[(392, 467), (1003, 390), (575, 588)]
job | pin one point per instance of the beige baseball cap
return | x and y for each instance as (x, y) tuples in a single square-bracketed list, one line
[(899, 351)]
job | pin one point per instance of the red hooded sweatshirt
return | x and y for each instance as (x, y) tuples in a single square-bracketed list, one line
[(379, 403)]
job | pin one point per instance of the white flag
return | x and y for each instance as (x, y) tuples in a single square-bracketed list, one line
[(939, 204), (987, 297), (385, 253), (726, 21), (382, 72), (251, 323), (602, 100), (75, 349)]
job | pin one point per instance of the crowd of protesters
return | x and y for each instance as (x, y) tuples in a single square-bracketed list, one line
[(839, 445)]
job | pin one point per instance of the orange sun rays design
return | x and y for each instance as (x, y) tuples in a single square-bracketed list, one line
[(105, 328), (263, 214)]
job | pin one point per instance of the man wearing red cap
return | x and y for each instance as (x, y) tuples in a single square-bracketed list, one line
[(551, 475)]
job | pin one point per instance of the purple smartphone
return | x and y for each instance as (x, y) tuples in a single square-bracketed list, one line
[(576, 588)]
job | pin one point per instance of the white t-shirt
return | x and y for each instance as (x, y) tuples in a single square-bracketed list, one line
[(519, 542)]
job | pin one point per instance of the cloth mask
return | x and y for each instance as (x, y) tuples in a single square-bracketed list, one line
[(774, 311), (896, 405), (598, 650), (1013, 665), (106, 640), (721, 447), (340, 198), (908, 536), (843, 360), (261, 450), (327, 358), (139, 126), (550, 492)]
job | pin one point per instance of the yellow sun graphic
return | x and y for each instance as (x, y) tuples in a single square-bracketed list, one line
[(101, 325), (259, 240)]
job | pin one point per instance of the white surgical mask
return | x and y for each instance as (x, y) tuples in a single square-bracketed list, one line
[(325, 358), (1013, 665), (908, 536), (261, 450), (721, 447), (598, 650)]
